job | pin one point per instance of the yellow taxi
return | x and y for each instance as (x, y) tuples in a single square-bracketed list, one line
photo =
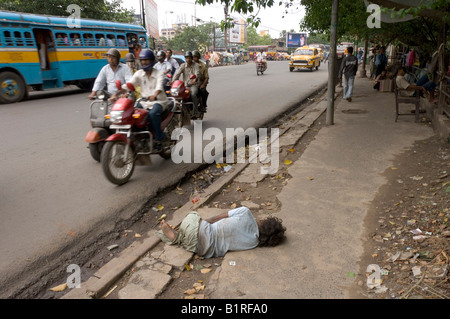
[(305, 58)]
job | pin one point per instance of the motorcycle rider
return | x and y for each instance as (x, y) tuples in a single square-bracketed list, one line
[(130, 60), (111, 72), (202, 80), (263, 56), (172, 61), (187, 69), (150, 80), (163, 66)]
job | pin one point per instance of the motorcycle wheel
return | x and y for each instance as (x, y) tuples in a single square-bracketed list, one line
[(115, 169), (96, 149), (166, 152)]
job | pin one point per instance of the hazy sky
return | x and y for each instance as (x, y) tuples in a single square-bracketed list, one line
[(173, 11)]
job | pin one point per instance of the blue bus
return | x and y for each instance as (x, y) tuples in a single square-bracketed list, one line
[(41, 52)]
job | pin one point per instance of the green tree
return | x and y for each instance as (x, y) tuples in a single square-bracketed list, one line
[(253, 38), (191, 38), (94, 9)]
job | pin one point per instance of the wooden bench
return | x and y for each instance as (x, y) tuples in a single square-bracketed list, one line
[(406, 100)]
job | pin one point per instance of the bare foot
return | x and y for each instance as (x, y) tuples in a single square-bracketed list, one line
[(168, 231)]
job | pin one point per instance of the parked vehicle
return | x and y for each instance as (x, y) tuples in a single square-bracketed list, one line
[(132, 142)]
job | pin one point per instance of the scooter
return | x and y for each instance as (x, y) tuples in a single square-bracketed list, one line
[(181, 96), (132, 142), (100, 125), (260, 66)]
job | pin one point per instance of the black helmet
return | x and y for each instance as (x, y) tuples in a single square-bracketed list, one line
[(161, 55), (197, 54), (147, 54), (188, 54)]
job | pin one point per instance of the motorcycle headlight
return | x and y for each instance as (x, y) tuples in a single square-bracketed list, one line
[(174, 92), (100, 95), (116, 117)]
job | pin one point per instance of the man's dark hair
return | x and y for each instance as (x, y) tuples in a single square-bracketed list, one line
[(400, 68), (271, 232), (350, 50)]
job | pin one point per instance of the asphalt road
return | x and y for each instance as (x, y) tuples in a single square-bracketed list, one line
[(54, 198)]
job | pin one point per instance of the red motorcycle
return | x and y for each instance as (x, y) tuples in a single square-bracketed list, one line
[(132, 143), (181, 96)]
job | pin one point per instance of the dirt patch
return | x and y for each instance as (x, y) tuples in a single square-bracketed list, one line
[(408, 240)]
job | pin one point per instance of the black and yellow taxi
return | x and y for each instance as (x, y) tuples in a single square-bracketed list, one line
[(305, 58)]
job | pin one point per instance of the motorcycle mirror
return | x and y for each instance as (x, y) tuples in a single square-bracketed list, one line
[(193, 77), (118, 84), (130, 86)]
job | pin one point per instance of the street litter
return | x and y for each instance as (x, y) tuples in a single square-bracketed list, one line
[(61, 287), (111, 247), (232, 263)]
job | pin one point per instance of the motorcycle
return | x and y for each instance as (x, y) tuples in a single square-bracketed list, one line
[(260, 66), (181, 96), (132, 142), (100, 125)]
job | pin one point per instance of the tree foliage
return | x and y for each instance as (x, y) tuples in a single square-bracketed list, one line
[(192, 38), (109, 10)]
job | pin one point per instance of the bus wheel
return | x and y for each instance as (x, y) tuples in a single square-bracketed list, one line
[(12, 87)]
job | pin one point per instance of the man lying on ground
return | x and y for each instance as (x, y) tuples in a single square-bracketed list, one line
[(234, 230)]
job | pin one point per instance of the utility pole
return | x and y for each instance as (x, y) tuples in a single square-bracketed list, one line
[(362, 72), (226, 30), (332, 63)]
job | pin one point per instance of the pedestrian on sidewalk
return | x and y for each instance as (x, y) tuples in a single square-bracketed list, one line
[(234, 230), (381, 61), (348, 68)]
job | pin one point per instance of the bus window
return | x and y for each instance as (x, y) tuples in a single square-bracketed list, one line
[(28, 39), (75, 39), (142, 42), (18, 37), (121, 41), (62, 39), (111, 40), (8, 38), (88, 39), (100, 39)]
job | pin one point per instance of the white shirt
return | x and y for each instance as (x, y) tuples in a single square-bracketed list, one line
[(149, 85), (261, 55), (174, 63), (403, 84), (108, 77), (237, 232), (164, 66)]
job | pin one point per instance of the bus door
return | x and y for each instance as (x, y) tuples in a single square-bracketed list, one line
[(47, 57)]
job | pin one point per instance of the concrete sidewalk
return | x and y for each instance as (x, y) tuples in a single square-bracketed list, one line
[(323, 207)]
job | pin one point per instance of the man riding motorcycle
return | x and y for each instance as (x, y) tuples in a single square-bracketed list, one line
[(111, 72), (263, 57), (163, 66), (203, 80), (187, 69), (150, 80)]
